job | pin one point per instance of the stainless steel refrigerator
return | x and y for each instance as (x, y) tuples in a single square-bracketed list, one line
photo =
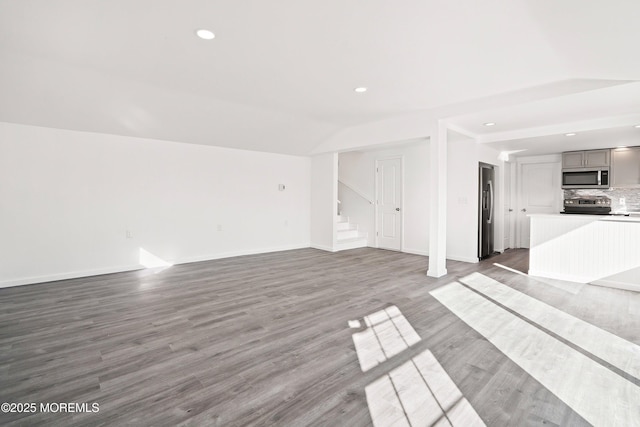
[(487, 211)]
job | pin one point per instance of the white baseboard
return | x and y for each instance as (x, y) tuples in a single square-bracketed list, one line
[(617, 284), (602, 282), (110, 270), (462, 259), (449, 257), (323, 248), (443, 273), (559, 276), (232, 254), (415, 252), (587, 280), (67, 275)]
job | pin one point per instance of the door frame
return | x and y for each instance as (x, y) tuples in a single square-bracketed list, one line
[(494, 168), (510, 202), (520, 161), (377, 193)]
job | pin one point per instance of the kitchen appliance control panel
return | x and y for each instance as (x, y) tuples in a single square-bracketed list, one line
[(595, 205)]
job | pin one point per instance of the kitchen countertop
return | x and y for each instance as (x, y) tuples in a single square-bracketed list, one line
[(633, 217)]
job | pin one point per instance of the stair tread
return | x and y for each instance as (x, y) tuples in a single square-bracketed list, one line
[(348, 236), (352, 239), (343, 237), (352, 243)]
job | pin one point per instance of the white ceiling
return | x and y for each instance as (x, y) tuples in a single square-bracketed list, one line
[(279, 76)]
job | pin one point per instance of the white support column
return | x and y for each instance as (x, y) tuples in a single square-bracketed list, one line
[(438, 208), (324, 199)]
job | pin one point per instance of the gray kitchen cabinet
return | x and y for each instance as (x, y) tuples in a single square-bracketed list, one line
[(572, 159), (597, 158), (625, 167), (585, 159)]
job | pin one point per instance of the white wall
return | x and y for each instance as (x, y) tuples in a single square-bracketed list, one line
[(68, 198), (357, 169), (463, 155), (324, 196)]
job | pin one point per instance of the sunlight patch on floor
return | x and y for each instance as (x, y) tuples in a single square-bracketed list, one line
[(388, 333), (513, 270), (149, 260), (609, 347), (419, 393), (416, 393), (598, 394)]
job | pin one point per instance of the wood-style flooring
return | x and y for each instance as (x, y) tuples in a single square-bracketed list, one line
[(264, 340)]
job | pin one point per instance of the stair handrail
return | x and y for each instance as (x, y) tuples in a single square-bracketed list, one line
[(355, 190)]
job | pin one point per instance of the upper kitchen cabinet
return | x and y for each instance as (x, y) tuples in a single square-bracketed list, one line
[(625, 167), (585, 159), (597, 158), (572, 159)]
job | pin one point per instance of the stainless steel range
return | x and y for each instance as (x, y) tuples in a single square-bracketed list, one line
[(592, 205)]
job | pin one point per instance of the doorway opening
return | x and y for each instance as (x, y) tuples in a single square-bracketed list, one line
[(389, 207), (486, 210)]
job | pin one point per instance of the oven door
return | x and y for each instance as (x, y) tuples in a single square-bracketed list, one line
[(585, 178)]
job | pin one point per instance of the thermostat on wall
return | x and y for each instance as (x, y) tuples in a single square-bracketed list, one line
[(281, 187)]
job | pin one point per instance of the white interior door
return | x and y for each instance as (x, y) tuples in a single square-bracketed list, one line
[(507, 205), (539, 193), (389, 204)]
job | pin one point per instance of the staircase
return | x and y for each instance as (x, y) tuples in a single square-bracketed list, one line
[(348, 236)]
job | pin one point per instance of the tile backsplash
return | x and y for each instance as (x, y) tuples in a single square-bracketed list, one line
[(631, 196)]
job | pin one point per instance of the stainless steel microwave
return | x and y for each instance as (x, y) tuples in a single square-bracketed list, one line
[(585, 178)]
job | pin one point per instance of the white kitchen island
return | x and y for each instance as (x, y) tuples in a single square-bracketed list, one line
[(597, 249)]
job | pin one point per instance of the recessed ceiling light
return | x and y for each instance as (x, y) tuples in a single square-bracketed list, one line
[(489, 124), (570, 134), (360, 89), (205, 34)]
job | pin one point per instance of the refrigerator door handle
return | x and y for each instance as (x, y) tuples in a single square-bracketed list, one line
[(490, 203)]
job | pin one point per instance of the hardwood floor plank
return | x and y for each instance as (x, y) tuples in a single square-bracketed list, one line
[(264, 340)]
